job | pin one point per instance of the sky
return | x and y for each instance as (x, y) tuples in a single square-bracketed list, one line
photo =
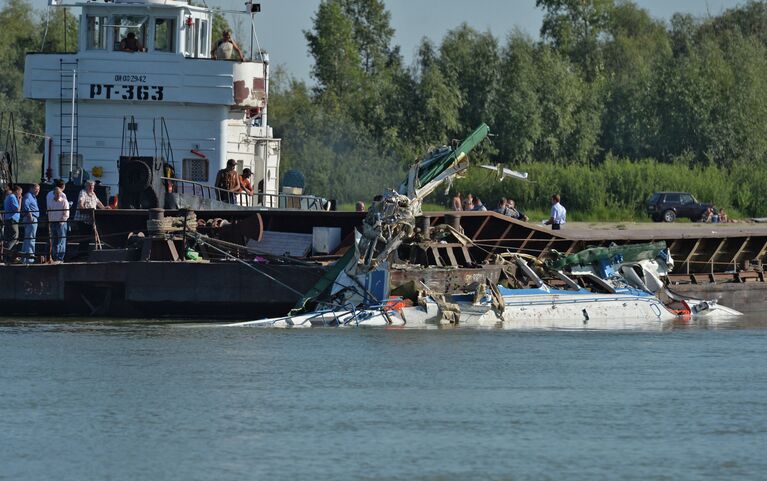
[(281, 23)]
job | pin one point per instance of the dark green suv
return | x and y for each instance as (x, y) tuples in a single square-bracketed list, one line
[(667, 206)]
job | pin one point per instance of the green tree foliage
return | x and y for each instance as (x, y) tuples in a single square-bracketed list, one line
[(469, 60), (606, 107), (575, 28), (638, 48), (337, 65), (25, 31)]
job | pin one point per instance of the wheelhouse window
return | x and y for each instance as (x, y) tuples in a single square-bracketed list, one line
[(204, 48), (97, 32), (164, 34), (190, 49), (129, 33)]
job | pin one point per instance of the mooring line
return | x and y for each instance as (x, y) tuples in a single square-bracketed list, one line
[(250, 266)]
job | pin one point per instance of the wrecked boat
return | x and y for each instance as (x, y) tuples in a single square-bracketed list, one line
[(600, 288), (642, 267)]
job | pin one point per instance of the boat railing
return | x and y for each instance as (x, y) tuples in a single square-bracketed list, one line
[(269, 201)]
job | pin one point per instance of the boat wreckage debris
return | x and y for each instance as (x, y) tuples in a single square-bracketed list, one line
[(616, 287)]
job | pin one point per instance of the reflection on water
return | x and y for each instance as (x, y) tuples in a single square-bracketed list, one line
[(85, 400)]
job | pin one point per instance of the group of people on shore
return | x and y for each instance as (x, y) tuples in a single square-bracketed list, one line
[(470, 203), (21, 216), (508, 207), (716, 216)]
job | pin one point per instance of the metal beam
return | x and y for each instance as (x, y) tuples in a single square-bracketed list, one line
[(762, 251), (692, 253), (743, 245)]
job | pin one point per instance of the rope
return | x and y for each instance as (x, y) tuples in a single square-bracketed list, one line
[(198, 238), (172, 224)]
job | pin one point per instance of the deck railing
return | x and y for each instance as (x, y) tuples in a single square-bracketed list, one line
[(270, 201)]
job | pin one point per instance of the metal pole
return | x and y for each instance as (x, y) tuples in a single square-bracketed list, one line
[(72, 123), (263, 182), (252, 29)]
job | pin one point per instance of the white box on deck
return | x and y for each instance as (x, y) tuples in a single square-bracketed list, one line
[(325, 239)]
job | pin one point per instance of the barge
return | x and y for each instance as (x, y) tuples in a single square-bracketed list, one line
[(156, 126)]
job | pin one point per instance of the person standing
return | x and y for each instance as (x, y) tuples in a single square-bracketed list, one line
[(468, 202), (457, 202), (228, 181), (245, 184), (58, 215), (225, 47), (87, 202), (30, 213), (11, 218), (558, 213)]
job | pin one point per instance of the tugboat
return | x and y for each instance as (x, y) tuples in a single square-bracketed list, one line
[(144, 110), (144, 87)]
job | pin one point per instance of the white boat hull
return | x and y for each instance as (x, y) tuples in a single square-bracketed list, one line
[(552, 311)]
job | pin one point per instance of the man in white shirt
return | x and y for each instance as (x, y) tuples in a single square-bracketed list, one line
[(58, 215), (558, 213)]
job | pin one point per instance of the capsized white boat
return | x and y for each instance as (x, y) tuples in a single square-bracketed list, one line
[(379, 317)]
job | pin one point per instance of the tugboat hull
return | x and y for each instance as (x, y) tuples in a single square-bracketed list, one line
[(178, 290)]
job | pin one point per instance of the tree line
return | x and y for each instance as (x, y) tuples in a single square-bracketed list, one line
[(608, 105), (605, 106)]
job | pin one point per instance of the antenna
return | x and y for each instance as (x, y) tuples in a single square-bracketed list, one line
[(253, 9)]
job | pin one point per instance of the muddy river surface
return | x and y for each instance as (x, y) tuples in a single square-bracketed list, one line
[(150, 401)]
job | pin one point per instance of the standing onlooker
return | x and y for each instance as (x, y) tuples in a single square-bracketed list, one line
[(558, 213), (228, 182), (225, 47), (58, 214), (359, 206), (245, 183), (468, 202), (87, 202), (30, 212), (457, 202), (11, 218)]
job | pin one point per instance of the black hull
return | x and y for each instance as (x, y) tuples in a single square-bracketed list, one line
[(168, 290)]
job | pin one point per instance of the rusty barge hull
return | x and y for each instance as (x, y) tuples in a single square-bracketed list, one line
[(182, 290), (724, 262)]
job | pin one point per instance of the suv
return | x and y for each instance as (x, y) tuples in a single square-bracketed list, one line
[(667, 206)]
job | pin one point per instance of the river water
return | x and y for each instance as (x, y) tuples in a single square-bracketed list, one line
[(143, 401)]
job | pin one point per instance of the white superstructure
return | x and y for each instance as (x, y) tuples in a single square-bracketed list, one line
[(214, 109)]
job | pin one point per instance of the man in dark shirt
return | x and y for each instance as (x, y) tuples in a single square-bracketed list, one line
[(130, 43), (11, 217)]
